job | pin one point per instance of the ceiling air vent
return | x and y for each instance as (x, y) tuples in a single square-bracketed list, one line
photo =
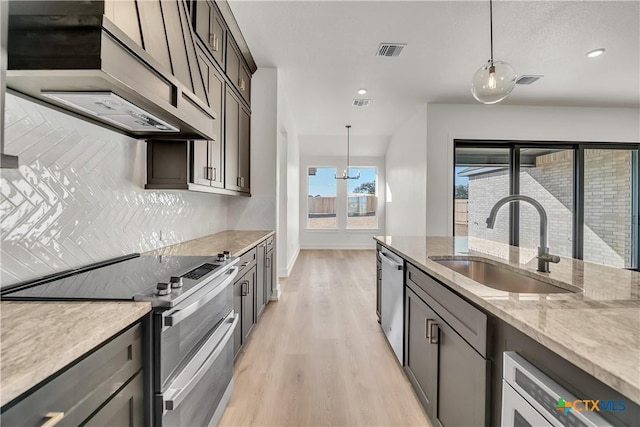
[(390, 49), (528, 79), (361, 102)]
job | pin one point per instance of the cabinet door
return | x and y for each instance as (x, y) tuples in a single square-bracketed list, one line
[(203, 14), (378, 285), (260, 278), (216, 147), (248, 283), (231, 132), (125, 409), (217, 41), (268, 277), (232, 67), (462, 374), (244, 83), (237, 307), (244, 151), (200, 162), (421, 355)]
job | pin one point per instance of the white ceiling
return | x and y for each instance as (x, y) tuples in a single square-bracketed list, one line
[(324, 51)]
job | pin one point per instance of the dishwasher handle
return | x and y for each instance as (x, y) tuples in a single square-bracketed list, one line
[(389, 261)]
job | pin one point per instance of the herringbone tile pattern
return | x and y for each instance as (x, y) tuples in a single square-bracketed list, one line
[(78, 197)]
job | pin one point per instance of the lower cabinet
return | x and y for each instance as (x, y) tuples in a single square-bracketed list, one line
[(261, 263), (252, 288), (443, 367), (104, 388), (378, 282), (248, 283), (244, 304)]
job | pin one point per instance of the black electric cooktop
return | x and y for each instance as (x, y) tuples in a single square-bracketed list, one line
[(118, 279)]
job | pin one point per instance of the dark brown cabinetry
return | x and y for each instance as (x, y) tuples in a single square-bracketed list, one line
[(103, 388), (210, 28), (264, 279), (167, 165), (252, 288), (378, 282), (237, 144), (237, 71), (445, 344)]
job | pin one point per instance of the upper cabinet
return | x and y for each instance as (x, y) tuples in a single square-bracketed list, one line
[(237, 71), (220, 163), (210, 29)]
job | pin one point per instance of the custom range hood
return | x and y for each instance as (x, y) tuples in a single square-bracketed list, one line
[(128, 65)]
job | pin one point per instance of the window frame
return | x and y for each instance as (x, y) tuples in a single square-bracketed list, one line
[(342, 214), (578, 185)]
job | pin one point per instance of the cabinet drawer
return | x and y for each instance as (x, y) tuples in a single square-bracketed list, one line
[(270, 243), (247, 260), (467, 320), (83, 387)]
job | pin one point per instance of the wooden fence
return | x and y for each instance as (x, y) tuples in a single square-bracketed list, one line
[(360, 204)]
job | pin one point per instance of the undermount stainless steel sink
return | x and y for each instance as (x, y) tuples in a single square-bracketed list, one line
[(501, 278)]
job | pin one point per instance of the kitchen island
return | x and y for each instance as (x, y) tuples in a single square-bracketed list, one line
[(589, 329)]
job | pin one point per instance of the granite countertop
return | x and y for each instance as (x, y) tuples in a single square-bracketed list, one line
[(597, 329), (235, 241), (40, 338)]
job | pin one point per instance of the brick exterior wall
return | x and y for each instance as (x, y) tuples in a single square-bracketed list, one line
[(607, 204)]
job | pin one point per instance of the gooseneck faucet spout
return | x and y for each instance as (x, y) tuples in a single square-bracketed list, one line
[(544, 258)]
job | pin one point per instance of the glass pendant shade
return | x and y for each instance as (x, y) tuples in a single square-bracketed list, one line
[(493, 82)]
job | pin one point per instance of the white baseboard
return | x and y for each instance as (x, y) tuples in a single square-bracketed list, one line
[(286, 272), (339, 246)]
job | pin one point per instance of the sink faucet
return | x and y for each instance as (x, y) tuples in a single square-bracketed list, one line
[(544, 257)]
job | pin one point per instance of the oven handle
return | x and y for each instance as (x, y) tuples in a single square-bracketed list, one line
[(173, 317), (204, 358)]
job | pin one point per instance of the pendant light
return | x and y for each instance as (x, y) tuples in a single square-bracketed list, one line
[(494, 80), (345, 174)]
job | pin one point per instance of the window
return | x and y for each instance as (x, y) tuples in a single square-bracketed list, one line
[(362, 198), (342, 204), (321, 200), (589, 192)]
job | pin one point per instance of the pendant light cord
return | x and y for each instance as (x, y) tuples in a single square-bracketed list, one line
[(491, 26), (348, 144)]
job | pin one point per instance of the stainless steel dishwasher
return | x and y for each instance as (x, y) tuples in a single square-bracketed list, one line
[(392, 314)]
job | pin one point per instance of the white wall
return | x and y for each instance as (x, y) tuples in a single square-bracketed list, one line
[(78, 197), (287, 166), (340, 238), (258, 212), (407, 177), (505, 122)]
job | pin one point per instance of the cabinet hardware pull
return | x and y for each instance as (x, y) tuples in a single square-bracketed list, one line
[(238, 183), (206, 172), (215, 175), (213, 42), (53, 419), (268, 262), (244, 264), (245, 291), (241, 85), (431, 334), (426, 329)]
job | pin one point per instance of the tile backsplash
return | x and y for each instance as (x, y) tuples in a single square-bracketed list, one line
[(78, 197)]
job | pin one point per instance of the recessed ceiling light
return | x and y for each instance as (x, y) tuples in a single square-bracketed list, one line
[(362, 91), (595, 52)]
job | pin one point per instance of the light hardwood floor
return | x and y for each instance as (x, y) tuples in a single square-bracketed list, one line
[(319, 357)]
